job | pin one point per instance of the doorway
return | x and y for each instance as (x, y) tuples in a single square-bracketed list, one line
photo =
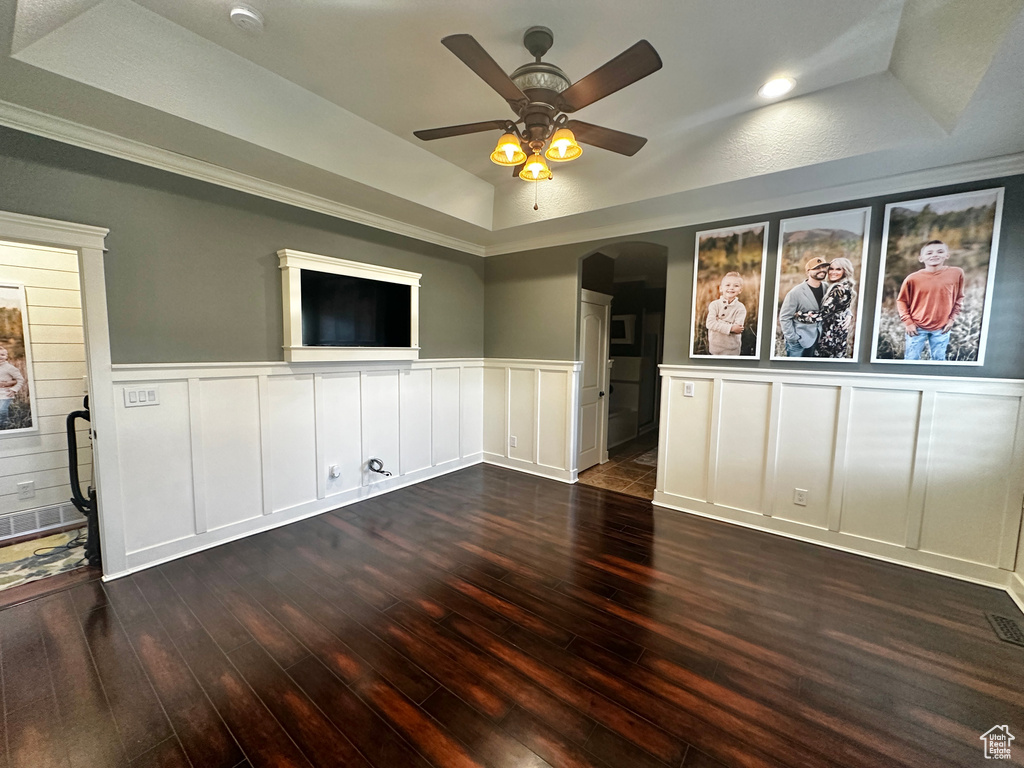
[(634, 274), (52, 353)]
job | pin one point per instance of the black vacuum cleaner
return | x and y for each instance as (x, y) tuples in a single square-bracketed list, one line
[(85, 505)]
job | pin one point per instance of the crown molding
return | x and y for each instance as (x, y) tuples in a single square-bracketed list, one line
[(68, 132), (76, 134), (976, 170)]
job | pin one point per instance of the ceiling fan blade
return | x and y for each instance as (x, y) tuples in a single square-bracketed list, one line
[(459, 130), (606, 138), (633, 64), (517, 170), (476, 58)]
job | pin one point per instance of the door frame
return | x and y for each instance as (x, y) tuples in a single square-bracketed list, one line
[(89, 242), (605, 300)]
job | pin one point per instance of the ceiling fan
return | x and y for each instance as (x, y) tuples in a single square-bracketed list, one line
[(543, 97)]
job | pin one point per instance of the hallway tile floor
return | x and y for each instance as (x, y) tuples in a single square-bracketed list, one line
[(631, 468)]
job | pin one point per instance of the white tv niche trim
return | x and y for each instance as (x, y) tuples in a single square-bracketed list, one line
[(292, 262)]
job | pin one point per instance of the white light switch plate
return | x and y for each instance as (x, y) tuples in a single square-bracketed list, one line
[(137, 396)]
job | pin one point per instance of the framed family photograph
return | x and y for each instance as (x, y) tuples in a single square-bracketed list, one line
[(728, 291), (935, 280), (17, 392), (819, 286)]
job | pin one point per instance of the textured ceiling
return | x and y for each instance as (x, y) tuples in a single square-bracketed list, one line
[(324, 102)]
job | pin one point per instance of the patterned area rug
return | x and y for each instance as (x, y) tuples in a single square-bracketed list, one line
[(19, 565), (649, 459)]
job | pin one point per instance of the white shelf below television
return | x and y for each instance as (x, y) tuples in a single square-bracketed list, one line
[(293, 263)]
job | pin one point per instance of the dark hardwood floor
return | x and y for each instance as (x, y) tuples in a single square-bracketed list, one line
[(494, 618)]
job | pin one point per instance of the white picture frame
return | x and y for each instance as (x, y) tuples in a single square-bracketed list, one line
[(835, 234), (972, 249), (714, 257), (18, 414)]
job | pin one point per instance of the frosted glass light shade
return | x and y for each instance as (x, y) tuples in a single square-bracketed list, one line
[(535, 169), (563, 147), (509, 151)]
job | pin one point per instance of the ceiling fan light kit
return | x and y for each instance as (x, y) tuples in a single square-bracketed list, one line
[(535, 169), (509, 151), (543, 97), (563, 147)]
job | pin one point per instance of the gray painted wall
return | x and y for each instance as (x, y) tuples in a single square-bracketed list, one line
[(191, 270), (531, 305), (535, 285)]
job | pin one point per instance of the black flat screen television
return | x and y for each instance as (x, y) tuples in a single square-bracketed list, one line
[(343, 311)]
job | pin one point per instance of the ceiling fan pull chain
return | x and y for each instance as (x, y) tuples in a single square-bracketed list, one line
[(535, 196)]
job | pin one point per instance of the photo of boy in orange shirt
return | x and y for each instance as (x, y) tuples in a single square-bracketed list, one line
[(930, 301)]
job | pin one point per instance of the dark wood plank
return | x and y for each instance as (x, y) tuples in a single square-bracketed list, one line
[(488, 617), (311, 730), (262, 739), (88, 733), (139, 716), (166, 754), (494, 747), (202, 733), (25, 679), (34, 736), (375, 739)]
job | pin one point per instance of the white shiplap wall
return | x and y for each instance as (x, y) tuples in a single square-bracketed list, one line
[(925, 471), (53, 295), (234, 449)]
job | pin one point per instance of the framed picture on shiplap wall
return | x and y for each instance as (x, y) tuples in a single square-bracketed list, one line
[(728, 290), (17, 391), (935, 280), (819, 286)]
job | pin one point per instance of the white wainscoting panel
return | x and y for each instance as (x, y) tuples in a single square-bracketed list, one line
[(342, 432), (685, 450), (553, 400), (381, 426), (291, 441), (880, 450), (231, 467), (414, 420), (925, 471), (232, 449), (742, 448), (154, 449), (495, 381), (807, 425), (969, 463), (534, 401), (471, 394), (446, 413)]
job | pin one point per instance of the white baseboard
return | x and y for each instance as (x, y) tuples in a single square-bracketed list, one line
[(172, 550), (554, 473), (976, 573), (1015, 589)]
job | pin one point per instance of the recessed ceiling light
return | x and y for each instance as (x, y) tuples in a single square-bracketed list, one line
[(246, 18), (777, 87)]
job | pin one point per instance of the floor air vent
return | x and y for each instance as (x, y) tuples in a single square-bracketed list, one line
[(1006, 629), (39, 519)]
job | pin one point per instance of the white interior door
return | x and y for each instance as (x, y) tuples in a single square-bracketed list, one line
[(593, 416)]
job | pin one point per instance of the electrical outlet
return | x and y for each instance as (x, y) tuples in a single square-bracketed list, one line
[(136, 396), (688, 389), (512, 441), (27, 489), (800, 497)]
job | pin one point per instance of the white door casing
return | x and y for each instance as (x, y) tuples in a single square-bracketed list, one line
[(595, 311)]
